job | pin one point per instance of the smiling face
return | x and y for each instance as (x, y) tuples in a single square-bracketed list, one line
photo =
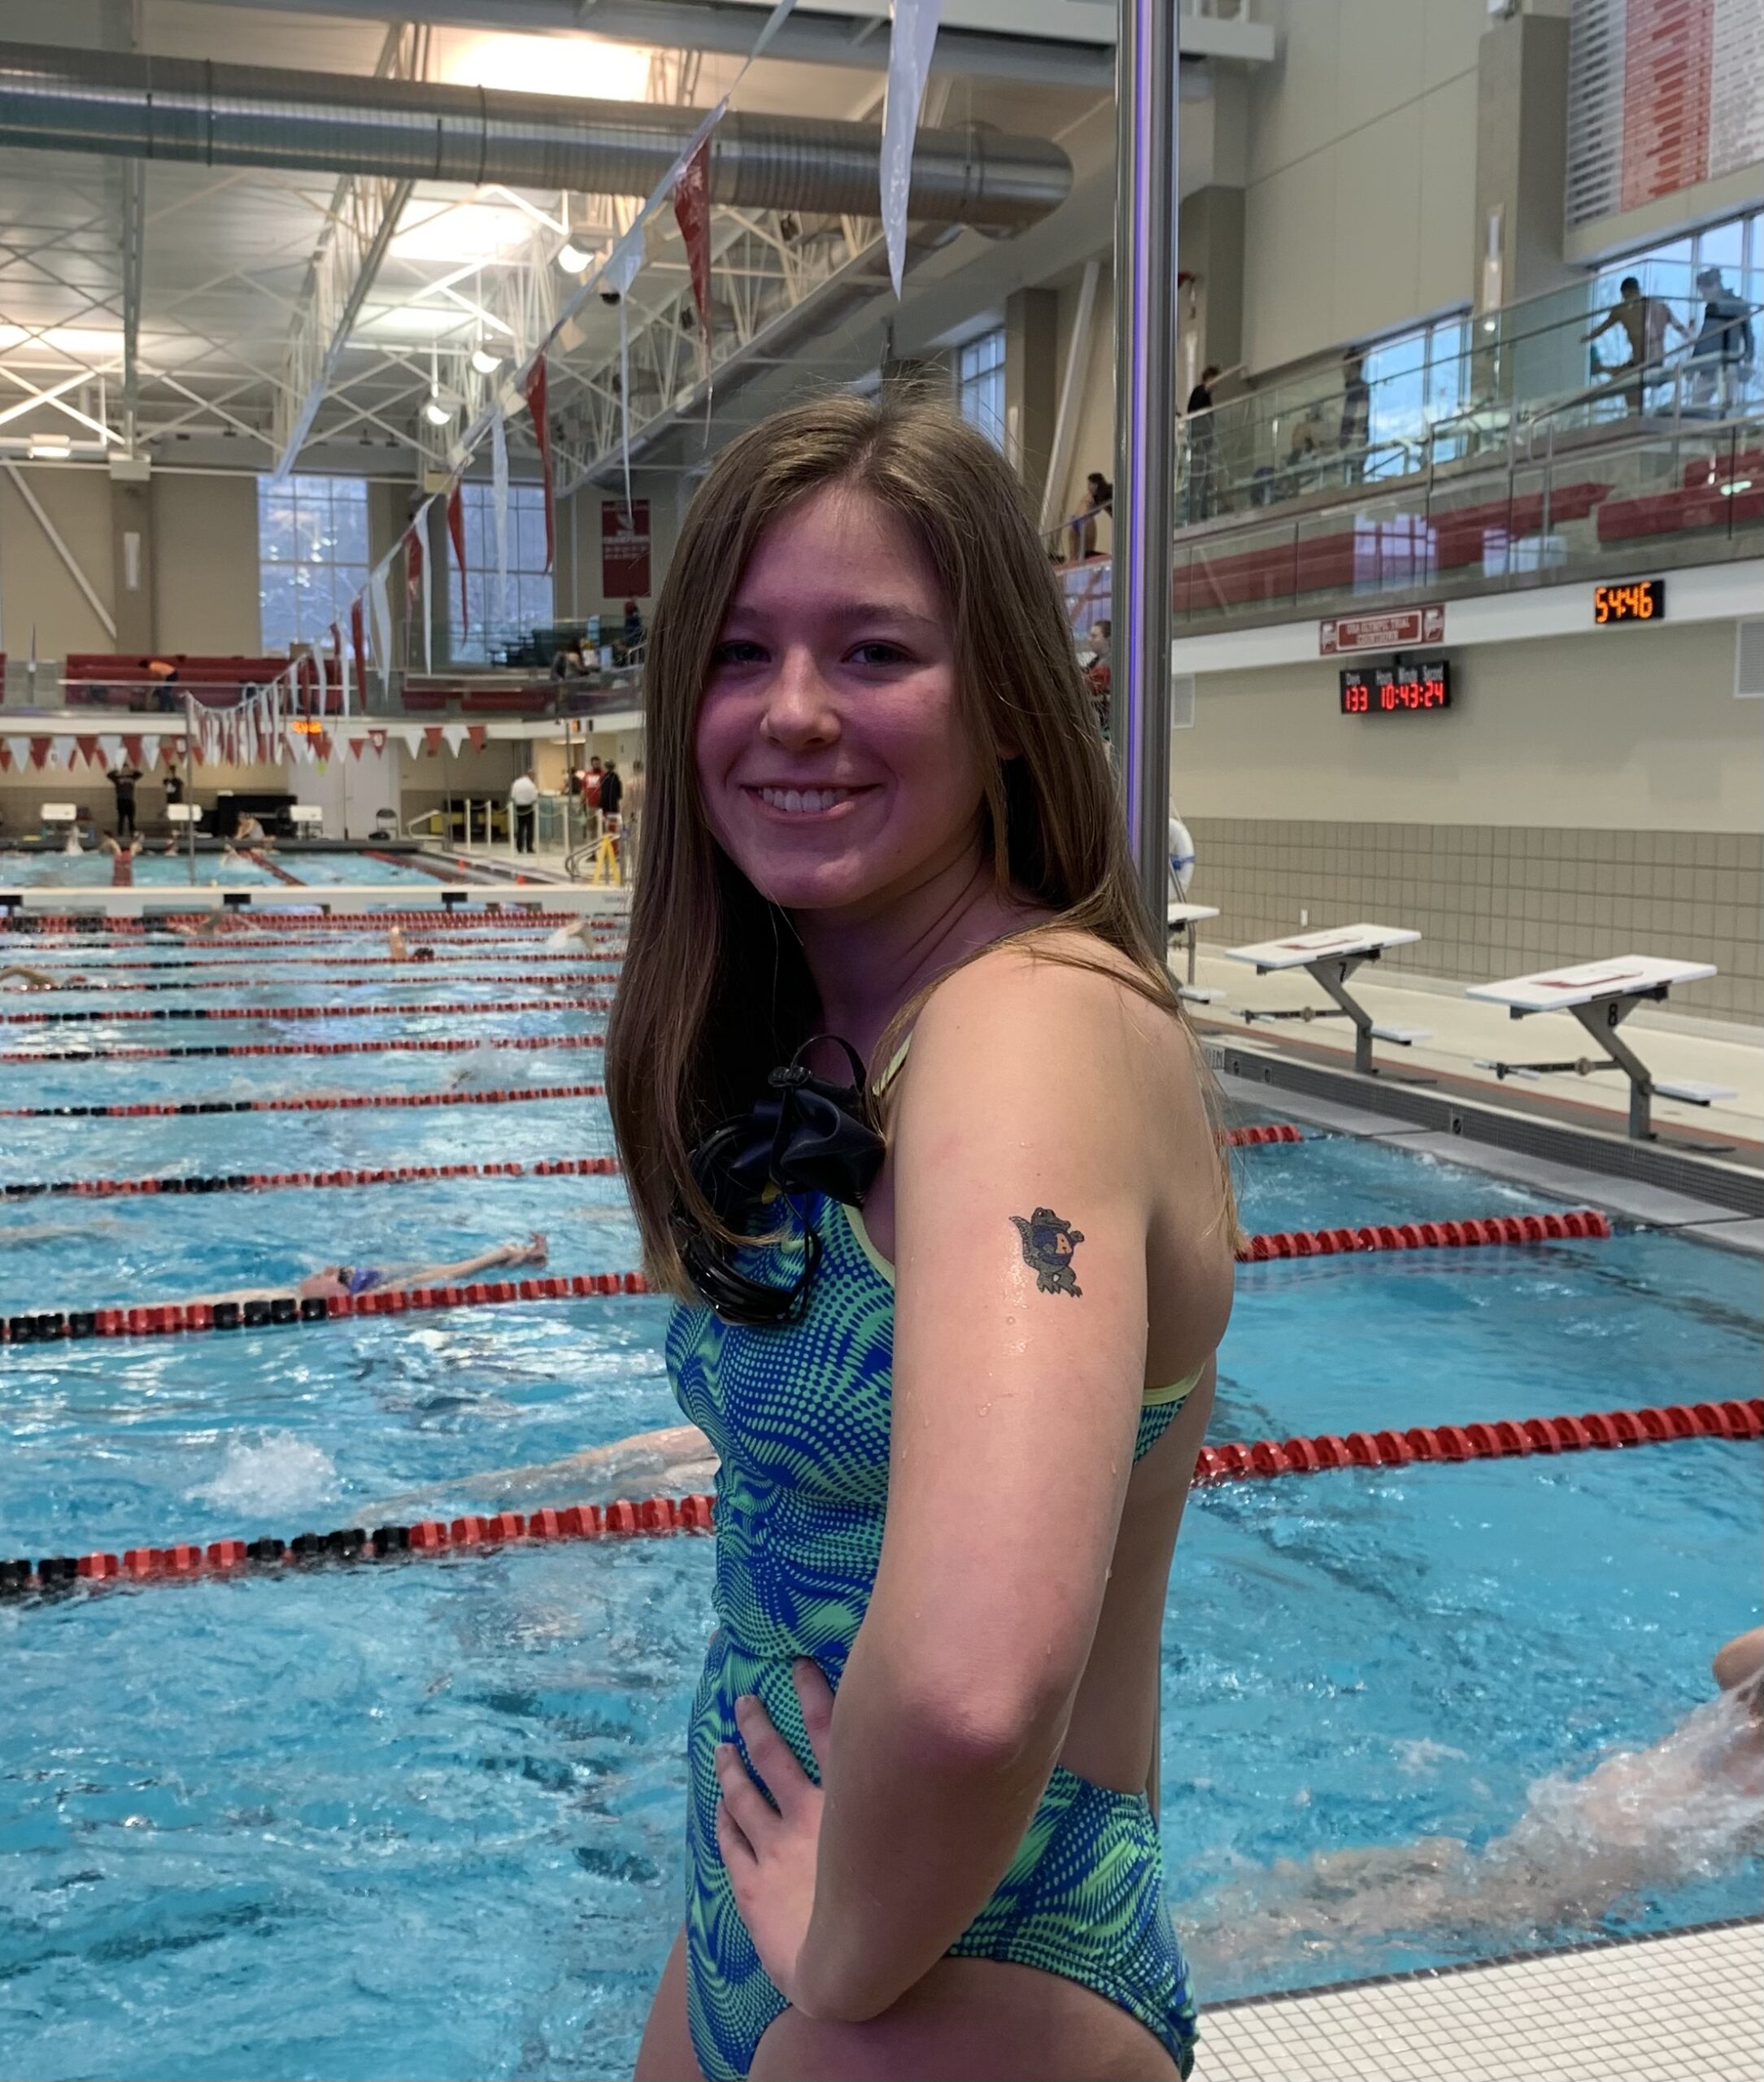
[(833, 762)]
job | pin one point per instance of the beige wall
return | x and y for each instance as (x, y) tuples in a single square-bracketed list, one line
[(1582, 798), (1631, 728), (203, 555), (205, 566), (37, 589), (579, 545), (1362, 149)]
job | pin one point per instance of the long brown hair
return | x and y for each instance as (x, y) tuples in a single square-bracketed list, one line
[(715, 991)]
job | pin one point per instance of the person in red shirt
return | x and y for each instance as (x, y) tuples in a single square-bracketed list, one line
[(591, 784)]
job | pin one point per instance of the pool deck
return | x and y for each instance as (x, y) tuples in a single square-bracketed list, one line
[(1675, 1043), (1682, 2007)]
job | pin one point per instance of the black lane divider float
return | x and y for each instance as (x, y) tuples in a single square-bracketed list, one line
[(158, 1318), (81, 982), (337, 1103), (303, 1012), (124, 1052), (478, 1534), (239, 1182)]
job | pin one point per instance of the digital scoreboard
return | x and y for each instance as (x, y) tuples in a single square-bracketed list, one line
[(1396, 689), (1630, 600)]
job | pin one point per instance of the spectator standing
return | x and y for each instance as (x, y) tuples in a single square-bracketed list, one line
[(633, 626), (1723, 353), (632, 814), (1644, 322), (593, 776), (1182, 858), (1101, 495), (1356, 425), (123, 779), (1203, 450), (525, 797), (612, 789)]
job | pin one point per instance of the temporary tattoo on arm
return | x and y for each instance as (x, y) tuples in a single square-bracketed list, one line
[(1048, 1243)]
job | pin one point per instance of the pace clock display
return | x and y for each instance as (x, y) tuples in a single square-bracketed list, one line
[(1396, 689), (1631, 600)]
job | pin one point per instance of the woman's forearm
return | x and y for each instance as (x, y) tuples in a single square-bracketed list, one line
[(924, 1812)]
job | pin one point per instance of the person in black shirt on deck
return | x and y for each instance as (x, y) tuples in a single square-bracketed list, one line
[(612, 789), (123, 779), (1203, 454), (1101, 495)]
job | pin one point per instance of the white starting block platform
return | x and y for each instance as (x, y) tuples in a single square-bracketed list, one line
[(1180, 920), (1601, 995), (1330, 957)]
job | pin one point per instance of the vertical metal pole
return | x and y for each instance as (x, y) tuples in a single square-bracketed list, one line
[(1145, 420), (189, 784)]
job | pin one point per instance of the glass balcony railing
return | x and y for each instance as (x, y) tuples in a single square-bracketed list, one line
[(1456, 392), (1608, 507), (1694, 493)]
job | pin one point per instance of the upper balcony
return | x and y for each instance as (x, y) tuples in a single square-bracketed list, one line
[(1460, 393)]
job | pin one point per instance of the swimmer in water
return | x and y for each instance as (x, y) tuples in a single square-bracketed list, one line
[(1639, 1822), (679, 1460), (352, 1280), (35, 979), (400, 949)]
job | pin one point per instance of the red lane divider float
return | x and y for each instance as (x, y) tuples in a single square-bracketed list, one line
[(339, 1103), (207, 1049), (274, 868), (78, 980), (303, 1012), (1254, 1138), (374, 961), (155, 1320), (239, 1182), (498, 915), (1424, 1235), (1503, 1440), (654, 1516)]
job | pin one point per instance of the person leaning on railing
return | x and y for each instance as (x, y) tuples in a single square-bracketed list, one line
[(1725, 349)]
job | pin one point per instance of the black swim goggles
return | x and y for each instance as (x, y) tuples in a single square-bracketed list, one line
[(805, 1136)]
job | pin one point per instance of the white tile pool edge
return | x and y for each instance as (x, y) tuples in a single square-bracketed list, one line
[(1680, 2006)]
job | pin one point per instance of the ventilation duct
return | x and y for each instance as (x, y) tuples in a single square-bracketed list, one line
[(188, 109)]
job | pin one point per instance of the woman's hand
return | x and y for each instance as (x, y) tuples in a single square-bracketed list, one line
[(769, 1847)]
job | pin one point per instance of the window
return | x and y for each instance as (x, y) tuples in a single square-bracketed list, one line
[(496, 623), (1416, 381), (312, 555), (980, 384)]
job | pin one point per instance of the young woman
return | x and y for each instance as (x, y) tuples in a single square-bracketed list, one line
[(955, 1423)]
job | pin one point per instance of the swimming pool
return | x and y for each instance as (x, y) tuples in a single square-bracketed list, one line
[(447, 1794), (157, 869)]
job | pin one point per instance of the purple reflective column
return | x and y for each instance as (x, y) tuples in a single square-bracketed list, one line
[(1145, 420)]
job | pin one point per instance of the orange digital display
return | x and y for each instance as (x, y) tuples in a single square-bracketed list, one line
[(1396, 689), (1635, 600)]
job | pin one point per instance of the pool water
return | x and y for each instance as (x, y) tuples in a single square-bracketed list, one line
[(445, 1797), (156, 869)]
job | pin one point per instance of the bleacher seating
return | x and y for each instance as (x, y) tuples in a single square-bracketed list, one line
[(94, 679), (1716, 492)]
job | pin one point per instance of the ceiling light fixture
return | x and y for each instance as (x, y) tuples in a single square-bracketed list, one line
[(50, 447), (485, 363), (572, 259), (436, 409)]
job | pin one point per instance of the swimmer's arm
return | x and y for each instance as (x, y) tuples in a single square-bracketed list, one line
[(1742, 1659), (1014, 1416)]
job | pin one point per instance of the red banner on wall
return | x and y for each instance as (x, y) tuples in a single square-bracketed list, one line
[(624, 550), (456, 534)]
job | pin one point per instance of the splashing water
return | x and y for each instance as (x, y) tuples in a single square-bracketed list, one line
[(1641, 1823), (279, 1473)]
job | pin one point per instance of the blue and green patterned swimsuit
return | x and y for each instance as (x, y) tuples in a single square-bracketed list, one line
[(800, 1416)]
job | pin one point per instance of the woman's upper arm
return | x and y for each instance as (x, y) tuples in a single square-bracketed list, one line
[(1023, 1195)]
